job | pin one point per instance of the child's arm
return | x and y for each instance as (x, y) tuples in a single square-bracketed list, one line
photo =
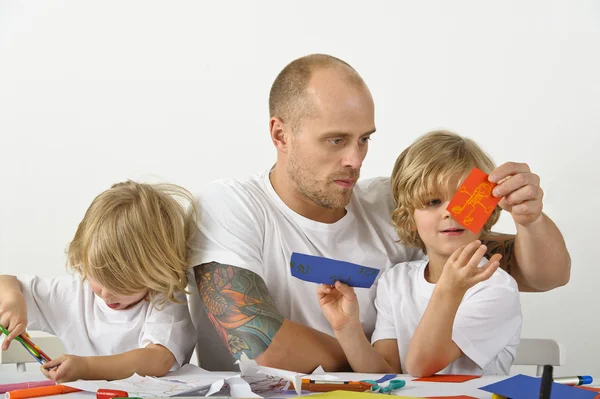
[(340, 307), (153, 360), (13, 308), (432, 348)]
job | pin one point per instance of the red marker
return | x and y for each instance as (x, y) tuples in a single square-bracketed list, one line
[(111, 393)]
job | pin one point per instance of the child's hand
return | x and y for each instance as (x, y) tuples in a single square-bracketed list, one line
[(339, 304), (65, 368), (13, 316), (461, 271)]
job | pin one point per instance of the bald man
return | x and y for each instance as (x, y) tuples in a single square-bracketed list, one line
[(322, 118)]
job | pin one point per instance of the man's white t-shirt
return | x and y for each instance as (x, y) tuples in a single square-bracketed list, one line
[(487, 327), (244, 223), (68, 308)]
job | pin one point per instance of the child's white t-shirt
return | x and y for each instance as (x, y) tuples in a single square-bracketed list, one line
[(487, 326), (68, 308)]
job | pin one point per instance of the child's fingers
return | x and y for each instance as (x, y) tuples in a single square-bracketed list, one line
[(476, 257), (495, 258), (15, 331), (468, 252), (323, 290), (487, 270), (46, 372), (60, 374), (454, 257), (346, 291), (57, 361)]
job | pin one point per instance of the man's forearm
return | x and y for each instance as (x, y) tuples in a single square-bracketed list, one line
[(240, 308), (542, 259), (302, 349)]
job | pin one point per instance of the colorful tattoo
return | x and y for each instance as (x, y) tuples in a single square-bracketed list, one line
[(502, 244), (239, 306)]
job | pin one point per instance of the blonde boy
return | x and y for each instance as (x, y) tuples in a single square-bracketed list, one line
[(125, 311), (452, 313)]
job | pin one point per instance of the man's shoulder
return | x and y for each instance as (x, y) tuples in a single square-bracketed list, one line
[(375, 195), (374, 187), (245, 187), (246, 194)]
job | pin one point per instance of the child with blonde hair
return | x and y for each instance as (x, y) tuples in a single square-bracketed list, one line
[(125, 311), (452, 313)]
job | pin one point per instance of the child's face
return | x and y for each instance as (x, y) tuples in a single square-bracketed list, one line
[(116, 301), (440, 233)]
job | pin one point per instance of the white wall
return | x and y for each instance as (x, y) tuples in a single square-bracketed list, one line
[(93, 93)]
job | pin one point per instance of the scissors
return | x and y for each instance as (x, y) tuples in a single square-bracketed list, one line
[(393, 384)]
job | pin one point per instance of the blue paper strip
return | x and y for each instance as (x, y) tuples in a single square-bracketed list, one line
[(524, 387), (321, 270)]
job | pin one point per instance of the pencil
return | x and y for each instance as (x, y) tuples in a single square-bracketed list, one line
[(28, 347), (37, 348)]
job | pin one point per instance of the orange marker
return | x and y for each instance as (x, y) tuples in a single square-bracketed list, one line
[(37, 392), (333, 385)]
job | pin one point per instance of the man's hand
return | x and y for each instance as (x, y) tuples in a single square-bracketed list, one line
[(339, 305), (521, 191), (66, 368), (13, 315), (462, 270)]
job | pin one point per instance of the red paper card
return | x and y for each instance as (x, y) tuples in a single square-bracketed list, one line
[(447, 378), (473, 202)]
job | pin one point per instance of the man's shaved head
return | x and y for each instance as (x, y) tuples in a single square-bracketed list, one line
[(288, 100)]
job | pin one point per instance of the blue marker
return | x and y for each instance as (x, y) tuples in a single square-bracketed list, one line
[(577, 380)]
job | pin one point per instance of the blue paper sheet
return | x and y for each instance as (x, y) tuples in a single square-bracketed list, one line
[(321, 270), (524, 387)]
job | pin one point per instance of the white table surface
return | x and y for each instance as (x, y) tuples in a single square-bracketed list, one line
[(411, 389)]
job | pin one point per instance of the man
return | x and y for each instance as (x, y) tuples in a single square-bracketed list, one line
[(322, 118)]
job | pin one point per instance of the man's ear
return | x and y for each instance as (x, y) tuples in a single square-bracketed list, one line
[(280, 134)]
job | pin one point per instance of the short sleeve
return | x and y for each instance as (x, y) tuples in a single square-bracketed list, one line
[(486, 322), (171, 327), (47, 299), (384, 326), (230, 227)]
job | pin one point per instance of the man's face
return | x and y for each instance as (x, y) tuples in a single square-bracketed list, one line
[(329, 146)]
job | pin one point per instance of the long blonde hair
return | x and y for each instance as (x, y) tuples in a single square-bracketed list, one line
[(426, 167), (134, 237)]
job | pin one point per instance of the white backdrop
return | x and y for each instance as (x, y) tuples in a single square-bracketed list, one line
[(92, 93)]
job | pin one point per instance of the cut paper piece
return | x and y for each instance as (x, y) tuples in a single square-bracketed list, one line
[(319, 374), (357, 395), (240, 388), (321, 270), (268, 379), (473, 202), (447, 378), (138, 386), (524, 387)]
